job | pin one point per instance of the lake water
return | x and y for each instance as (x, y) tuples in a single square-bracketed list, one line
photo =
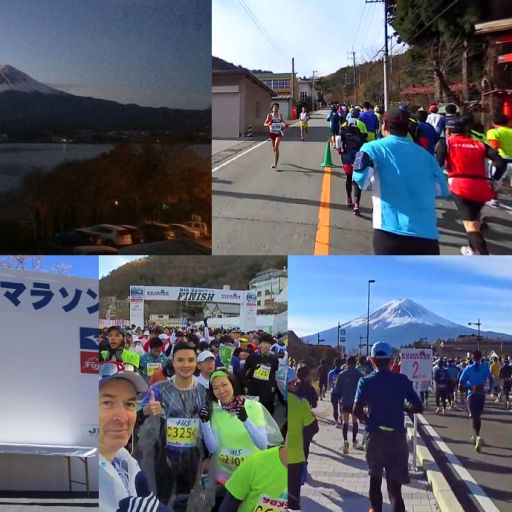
[(16, 160)]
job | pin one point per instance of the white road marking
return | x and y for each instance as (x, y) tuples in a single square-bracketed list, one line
[(227, 162), (478, 493)]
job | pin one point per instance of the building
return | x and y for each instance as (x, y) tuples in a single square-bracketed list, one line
[(286, 90), (268, 286), (240, 101), (216, 310), (496, 26), (466, 344)]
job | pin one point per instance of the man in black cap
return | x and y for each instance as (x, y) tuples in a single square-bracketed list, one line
[(406, 180)]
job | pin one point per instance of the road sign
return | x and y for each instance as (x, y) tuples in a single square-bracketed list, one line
[(416, 363)]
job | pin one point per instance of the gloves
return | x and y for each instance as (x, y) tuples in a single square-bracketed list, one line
[(241, 413), (204, 413)]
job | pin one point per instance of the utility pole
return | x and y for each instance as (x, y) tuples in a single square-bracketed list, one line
[(370, 281), (353, 54), (313, 91), (293, 80), (361, 344), (478, 324), (318, 339), (338, 344), (386, 50)]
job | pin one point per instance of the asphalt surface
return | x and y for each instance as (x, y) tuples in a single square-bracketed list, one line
[(491, 468), (39, 502), (299, 208)]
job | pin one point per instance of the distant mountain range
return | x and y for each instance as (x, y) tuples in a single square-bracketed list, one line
[(398, 322), (27, 105)]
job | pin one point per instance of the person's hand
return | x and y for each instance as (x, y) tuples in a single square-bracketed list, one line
[(241, 412), (204, 413), (154, 407)]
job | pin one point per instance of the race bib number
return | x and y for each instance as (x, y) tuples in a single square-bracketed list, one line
[(262, 373), (182, 432), (268, 504), (152, 368), (276, 127), (231, 459)]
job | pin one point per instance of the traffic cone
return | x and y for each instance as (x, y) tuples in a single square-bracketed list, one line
[(327, 155)]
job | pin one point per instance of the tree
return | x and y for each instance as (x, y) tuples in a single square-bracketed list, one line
[(32, 263)]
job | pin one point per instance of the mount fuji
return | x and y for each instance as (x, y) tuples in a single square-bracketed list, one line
[(398, 322), (31, 107)]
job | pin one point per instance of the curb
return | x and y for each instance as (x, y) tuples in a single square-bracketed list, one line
[(445, 497)]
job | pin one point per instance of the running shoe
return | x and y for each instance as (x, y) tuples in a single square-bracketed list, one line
[(338, 425), (438, 410), (273, 166), (467, 251), (345, 448), (354, 444), (349, 201), (357, 211), (478, 443), (494, 203), (473, 439)]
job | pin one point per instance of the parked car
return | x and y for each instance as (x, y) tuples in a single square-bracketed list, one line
[(80, 236), (184, 231), (157, 232), (138, 236), (201, 226), (113, 235)]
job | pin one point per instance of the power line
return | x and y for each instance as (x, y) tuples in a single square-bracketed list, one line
[(258, 25)]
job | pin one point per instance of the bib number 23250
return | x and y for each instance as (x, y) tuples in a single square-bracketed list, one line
[(182, 432)]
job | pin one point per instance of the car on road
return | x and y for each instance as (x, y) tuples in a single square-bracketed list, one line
[(138, 236), (78, 237), (184, 231), (157, 231), (113, 235)]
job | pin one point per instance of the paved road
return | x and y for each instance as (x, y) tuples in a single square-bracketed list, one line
[(46, 502), (491, 468), (341, 482), (299, 208)]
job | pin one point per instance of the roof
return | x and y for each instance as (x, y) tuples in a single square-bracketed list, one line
[(276, 76), (229, 309), (282, 97), (221, 67), (489, 27)]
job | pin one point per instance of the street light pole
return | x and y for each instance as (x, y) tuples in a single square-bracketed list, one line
[(478, 324), (370, 281), (338, 344)]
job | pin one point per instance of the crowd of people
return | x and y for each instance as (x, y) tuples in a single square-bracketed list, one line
[(373, 391), (192, 420), (408, 159)]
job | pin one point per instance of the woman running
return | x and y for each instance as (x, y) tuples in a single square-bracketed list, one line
[(304, 118), (276, 123)]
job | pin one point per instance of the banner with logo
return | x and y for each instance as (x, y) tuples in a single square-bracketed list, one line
[(248, 311), (416, 363), (137, 306), (49, 327)]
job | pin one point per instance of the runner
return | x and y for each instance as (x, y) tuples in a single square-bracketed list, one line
[(331, 382), (259, 484), (500, 138), (122, 485), (334, 120), (427, 135), (352, 140), (321, 375), (154, 360), (495, 369), (441, 379), (506, 380), (370, 120), (384, 393), (406, 181), (435, 119), (116, 350), (206, 366), (345, 389), (304, 387), (260, 373), (233, 428), (474, 378), (304, 118), (276, 123), (469, 184), (178, 400)]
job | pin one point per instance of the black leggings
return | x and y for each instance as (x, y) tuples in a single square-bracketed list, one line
[(394, 491), (385, 242), (349, 184)]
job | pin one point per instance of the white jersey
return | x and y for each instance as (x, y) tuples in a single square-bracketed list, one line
[(276, 126), (304, 117)]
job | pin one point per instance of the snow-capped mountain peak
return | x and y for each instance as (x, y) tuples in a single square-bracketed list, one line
[(12, 79)]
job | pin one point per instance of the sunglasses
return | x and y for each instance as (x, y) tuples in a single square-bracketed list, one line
[(112, 368)]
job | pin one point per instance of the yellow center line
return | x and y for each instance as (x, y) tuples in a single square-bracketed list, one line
[(323, 228)]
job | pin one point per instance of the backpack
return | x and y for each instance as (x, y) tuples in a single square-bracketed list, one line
[(442, 378), (354, 139)]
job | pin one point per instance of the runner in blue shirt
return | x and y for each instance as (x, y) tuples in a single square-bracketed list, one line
[(387, 395), (474, 377), (371, 121), (331, 381), (406, 180)]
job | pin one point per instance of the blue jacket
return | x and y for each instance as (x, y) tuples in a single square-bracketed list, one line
[(370, 120), (475, 376), (406, 181)]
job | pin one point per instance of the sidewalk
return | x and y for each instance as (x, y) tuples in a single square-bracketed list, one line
[(341, 482)]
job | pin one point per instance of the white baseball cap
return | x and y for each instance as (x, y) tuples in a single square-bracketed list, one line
[(203, 356)]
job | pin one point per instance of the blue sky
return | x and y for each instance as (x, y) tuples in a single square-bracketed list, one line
[(151, 52), (318, 33), (323, 291)]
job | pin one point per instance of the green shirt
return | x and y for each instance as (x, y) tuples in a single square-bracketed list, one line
[(299, 416), (261, 480), (127, 357), (503, 136)]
